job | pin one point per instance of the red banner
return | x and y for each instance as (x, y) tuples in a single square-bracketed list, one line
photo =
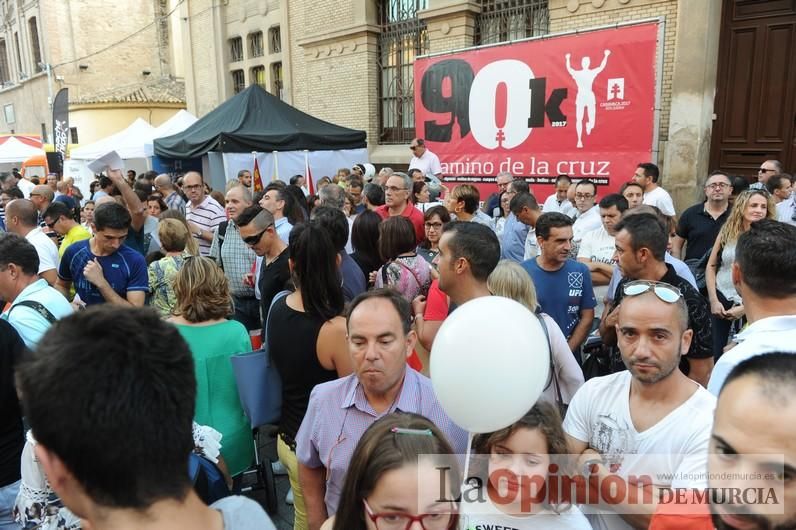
[(580, 104)]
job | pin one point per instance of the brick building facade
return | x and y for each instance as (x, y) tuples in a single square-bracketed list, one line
[(107, 52), (341, 60)]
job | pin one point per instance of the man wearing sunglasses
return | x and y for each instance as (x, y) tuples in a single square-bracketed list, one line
[(423, 159), (258, 231), (641, 242), (647, 421), (766, 171)]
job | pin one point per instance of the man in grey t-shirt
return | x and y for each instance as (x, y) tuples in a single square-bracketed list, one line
[(242, 513), (109, 394)]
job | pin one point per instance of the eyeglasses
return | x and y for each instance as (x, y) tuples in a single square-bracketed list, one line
[(584, 196), (665, 292), (192, 187), (764, 170), (51, 224), (402, 521), (435, 226), (717, 185), (394, 188), (253, 240)]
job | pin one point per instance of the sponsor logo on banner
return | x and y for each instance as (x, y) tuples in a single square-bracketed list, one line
[(540, 108)]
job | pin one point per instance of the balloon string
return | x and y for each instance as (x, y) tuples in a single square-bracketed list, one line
[(467, 460)]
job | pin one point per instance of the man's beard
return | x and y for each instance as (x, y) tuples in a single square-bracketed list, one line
[(664, 371)]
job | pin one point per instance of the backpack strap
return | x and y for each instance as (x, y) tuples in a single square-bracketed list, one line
[(222, 233), (38, 307)]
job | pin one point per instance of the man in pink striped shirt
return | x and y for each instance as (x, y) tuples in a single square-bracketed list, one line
[(380, 338)]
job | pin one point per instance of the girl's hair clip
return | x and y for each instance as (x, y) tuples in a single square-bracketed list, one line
[(421, 432)]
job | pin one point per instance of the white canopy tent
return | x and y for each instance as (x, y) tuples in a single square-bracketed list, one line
[(176, 124), (129, 143), (13, 150)]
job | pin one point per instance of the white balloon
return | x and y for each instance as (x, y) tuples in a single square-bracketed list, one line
[(490, 363)]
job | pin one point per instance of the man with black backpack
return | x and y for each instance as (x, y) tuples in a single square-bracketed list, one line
[(33, 305), (236, 259)]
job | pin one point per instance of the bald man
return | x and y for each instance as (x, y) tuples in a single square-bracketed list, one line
[(202, 212), (42, 196), (22, 218), (165, 186)]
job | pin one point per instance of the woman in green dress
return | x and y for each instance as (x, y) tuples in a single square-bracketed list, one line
[(203, 303)]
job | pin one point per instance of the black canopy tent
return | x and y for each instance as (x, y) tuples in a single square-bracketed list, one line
[(255, 120)]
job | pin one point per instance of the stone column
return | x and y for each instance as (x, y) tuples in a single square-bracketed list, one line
[(686, 158), (450, 23)]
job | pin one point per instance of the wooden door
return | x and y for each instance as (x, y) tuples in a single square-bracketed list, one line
[(756, 87)]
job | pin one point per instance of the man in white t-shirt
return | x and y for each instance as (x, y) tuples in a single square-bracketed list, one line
[(598, 247), (646, 176), (23, 184), (558, 201), (588, 217), (763, 275), (22, 219), (649, 421), (423, 159)]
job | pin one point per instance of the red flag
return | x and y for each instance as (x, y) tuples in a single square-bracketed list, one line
[(256, 178), (308, 174)]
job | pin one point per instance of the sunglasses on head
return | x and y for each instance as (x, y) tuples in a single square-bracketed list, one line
[(664, 291)]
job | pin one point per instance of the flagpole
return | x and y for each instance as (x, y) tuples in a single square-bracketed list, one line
[(308, 173), (254, 166), (276, 166)]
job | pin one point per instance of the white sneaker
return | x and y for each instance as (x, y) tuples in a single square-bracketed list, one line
[(289, 497), (278, 469)]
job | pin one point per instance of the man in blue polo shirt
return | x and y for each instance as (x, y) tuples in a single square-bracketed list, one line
[(563, 285), (103, 269)]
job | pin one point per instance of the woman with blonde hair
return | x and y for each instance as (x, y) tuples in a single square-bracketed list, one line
[(191, 247), (510, 280), (726, 305), (174, 237), (200, 315)]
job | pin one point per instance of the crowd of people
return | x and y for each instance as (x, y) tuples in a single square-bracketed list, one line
[(670, 345)]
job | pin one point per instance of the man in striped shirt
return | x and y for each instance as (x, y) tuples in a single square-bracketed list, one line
[(202, 211)]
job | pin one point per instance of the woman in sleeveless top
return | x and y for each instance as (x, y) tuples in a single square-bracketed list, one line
[(307, 339), (726, 305)]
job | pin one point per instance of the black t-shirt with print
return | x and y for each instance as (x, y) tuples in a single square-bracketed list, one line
[(698, 316)]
